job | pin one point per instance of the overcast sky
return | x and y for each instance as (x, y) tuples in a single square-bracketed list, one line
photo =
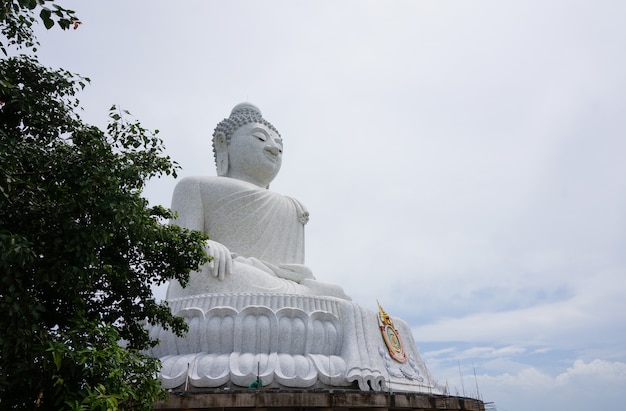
[(463, 161)]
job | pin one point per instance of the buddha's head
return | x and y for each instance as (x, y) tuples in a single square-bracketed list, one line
[(247, 147)]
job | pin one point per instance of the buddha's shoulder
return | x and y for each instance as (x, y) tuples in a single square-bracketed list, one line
[(212, 183), (197, 181)]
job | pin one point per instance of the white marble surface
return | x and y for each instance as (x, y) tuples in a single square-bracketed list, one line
[(256, 235), (257, 308), (290, 340)]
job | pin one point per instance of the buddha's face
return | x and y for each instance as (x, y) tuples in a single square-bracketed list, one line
[(255, 154)]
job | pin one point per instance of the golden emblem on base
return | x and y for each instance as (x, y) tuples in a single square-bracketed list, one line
[(391, 336)]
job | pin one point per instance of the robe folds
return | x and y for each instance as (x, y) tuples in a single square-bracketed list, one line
[(254, 222), (263, 230)]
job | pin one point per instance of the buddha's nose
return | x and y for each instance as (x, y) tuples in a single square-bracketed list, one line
[(272, 149)]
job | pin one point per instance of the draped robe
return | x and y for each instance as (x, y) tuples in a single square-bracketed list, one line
[(263, 230)]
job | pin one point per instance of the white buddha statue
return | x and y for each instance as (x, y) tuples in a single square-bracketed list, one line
[(256, 236), (255, 312)]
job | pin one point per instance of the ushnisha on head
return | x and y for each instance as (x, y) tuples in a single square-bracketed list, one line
[(241, 114), (247, 147)]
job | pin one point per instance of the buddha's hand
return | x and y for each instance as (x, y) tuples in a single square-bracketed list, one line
[(222, 261)]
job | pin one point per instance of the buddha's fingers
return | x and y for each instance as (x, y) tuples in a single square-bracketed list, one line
[(228, 262), (221, 263), (214, 252)]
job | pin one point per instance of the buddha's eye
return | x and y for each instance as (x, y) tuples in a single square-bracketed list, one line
[(260, 137)]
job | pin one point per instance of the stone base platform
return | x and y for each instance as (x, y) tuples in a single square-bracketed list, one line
[(289, 341), (322, 400)]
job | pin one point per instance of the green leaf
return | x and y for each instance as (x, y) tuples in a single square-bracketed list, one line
[(45, 17), (64, 23)]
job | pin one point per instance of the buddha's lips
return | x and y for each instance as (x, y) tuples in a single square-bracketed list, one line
[(271, 156)]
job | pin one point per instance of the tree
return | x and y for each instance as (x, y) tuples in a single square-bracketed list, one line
[(17, 19), (79, 245)]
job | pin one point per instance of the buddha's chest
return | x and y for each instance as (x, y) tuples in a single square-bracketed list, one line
[(261, 224)]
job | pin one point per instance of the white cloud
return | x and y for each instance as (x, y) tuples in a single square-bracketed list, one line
[(595, 385), (573, 323), (598, 370)]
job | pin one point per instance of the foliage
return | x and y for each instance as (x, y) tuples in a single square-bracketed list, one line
[(17, 19), (79, 246), (121, 376)]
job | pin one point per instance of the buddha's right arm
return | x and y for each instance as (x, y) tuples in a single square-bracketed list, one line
[(187, 203)]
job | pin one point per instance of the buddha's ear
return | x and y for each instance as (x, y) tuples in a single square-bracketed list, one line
[(220, 145)]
